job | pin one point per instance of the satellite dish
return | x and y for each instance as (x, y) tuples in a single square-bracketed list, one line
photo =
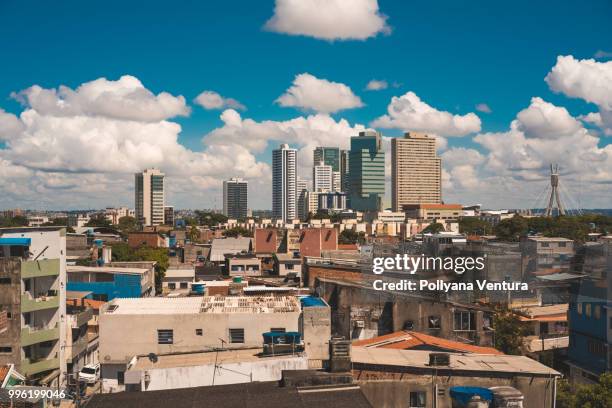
[(152, 357)]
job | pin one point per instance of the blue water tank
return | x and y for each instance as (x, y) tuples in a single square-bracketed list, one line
[(198, 288)]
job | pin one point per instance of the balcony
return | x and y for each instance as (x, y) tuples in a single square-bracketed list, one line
[(78, 347), (29, 304), (30, 367), (33, 335), (80, 317), (37, 269)]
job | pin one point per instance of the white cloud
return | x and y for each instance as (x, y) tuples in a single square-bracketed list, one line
[(319, 95), (585, 79), (409, 112), (10, 125), (212, 100), (328, 19), (483, 107), (377, 85), (125, 98), (545, 120)]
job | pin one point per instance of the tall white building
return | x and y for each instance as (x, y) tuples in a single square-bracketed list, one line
[(235, 198), (323, 177), (284, 183), (149, 197)]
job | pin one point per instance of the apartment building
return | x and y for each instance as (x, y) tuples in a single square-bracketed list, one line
[(149, 197), (416, 171), (284, 183), (108, 282), (33, 302), (366, 178), (235, 198)]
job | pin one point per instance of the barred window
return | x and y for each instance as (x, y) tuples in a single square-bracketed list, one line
[(165, 336)]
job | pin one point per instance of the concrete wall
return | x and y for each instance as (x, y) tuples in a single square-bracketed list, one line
[(393, 392), (124, 336), (315, 326)]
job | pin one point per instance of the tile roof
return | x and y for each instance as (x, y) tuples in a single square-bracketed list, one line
[(406, 340), (4, 370)]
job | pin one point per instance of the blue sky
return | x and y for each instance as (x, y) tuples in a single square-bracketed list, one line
[(452, 55)]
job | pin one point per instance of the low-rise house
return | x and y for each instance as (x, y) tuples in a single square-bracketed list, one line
[(242, 265), (233, 246), (78, 350), (547, 327), (285, 264), (111, 281), (145, 239), (178, 279)]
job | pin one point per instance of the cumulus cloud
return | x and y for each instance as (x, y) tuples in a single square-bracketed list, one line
[(320, 95), (585, 79), (125, 98), (409, 112), (377, 85), (10, 125), (483, 107), (545, 120), (212, 100), (328, 19)]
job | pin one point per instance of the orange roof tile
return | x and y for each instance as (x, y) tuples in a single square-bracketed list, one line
[(405, 340), (4, 370)]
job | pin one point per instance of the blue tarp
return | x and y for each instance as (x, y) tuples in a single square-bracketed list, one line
[(16, 241), (311, 301), (464, 394)]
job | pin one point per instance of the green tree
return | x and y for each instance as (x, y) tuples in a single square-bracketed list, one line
[(474, 226), (17, 221), (127, 224), (193, 234), (512, 229), (237, 232), (351, 237), (209, 218), (509, 332), (98, 220), (433, 228), (123, 253), (586, 396)]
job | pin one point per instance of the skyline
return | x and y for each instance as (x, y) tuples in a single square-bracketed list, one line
[(71, 139)]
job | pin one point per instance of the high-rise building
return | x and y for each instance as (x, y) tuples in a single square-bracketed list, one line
[(302, 185), (235, 198), (344, 170), (331, 156), (308, 203), (150, 197), (333, 200), (169, 215), (33, 303), (366, 172), (284, 183), (322, 177), (416, 171)]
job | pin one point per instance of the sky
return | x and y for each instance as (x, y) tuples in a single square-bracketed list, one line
[(91, 92)]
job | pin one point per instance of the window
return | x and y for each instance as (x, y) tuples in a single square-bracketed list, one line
[(562, 244), (277, 330), (417, 399), (199, 332), (465, 321), (597, 311), (184, 285), (6, 349), (165, 336), (545, 245), (596, 347), (5, 281), (433, 322), (120, 377), (587, 310), (289, 267), (579, 308), (236, 335), (172, 285)]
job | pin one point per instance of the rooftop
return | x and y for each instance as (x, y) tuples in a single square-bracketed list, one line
[(552, 313), (406, 340), (412, 359), (107, 269), (205, 304), (549, 239), (180, 273)]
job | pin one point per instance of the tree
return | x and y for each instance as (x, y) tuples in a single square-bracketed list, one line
[(474, 226), (193, 234), (586, 396), (98, 220), (123, 253), (509, 332), (237, 232), (351, 237), (433, 228), (512, 229), (16, 221), (209, 218), (127, 224)]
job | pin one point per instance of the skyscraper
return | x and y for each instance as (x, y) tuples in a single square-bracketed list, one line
[(284, 183), (330, 156), (322, 177), (344, 170), (235, 198), (366, 179), (149, 197), (415, 171)]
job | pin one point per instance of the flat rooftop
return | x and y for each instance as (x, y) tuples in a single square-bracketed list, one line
[(458, 361), (180, 273), (205, 358), (203, 304), (107, 269)]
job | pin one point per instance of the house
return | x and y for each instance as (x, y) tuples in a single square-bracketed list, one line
[(222, 246), (146, 239), (242, 265), (113, 280), (285, 264), (178, 279)]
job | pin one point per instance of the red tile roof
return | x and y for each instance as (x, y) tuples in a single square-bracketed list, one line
[(406, 340), (4, 370)]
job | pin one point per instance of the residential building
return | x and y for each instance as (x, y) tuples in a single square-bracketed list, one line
[(145, 239), (9, 377), (178, 279), (284, 183), (37, 220), (366, 186), (132, 327), (322, 177), (150, 197), (33, 302), (546, 255), (330, 156), (344, 170), (222, 246), (112, 281), (392, 377), (77, 220), (169, 215), (79, 351), (416, 171), (115, 214), (308, 203), (332, 201), (285, 264), (242, 265), (235, 198)]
